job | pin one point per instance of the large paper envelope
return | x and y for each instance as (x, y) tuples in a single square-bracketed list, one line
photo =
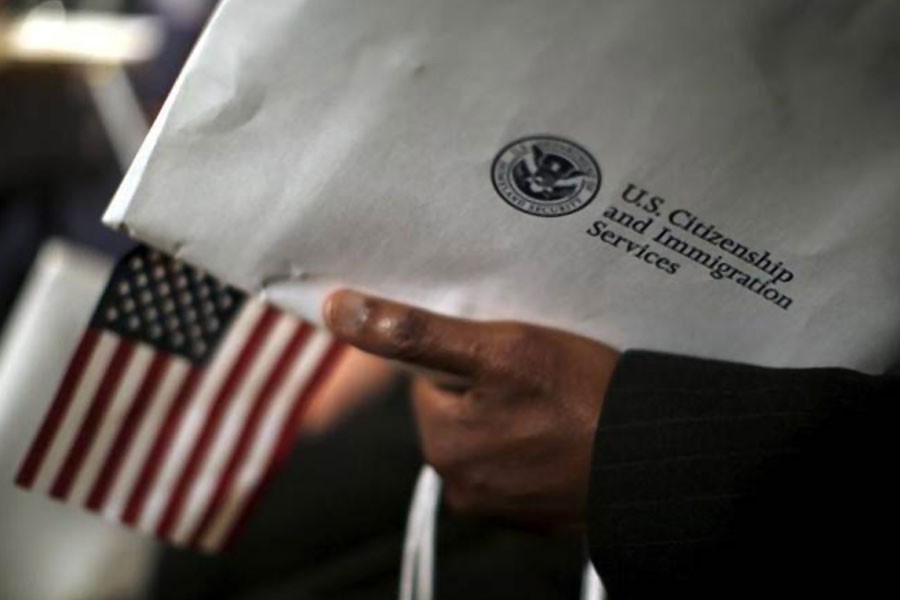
[(714, 178)]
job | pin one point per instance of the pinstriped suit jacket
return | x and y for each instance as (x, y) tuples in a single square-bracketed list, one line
[(720, 480)]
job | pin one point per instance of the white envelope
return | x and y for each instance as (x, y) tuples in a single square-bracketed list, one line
[(49, 550), (723, 177)]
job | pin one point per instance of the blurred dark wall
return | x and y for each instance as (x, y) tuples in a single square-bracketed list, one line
[(57, 169)]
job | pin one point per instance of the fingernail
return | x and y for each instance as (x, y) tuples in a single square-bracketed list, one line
[(346, 312)]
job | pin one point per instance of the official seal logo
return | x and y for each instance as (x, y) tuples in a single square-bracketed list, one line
[(546, 176)]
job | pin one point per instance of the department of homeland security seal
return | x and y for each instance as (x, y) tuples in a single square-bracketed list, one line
[(546, 176)]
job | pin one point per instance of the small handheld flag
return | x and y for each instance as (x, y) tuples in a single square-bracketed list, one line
[(181, 400)]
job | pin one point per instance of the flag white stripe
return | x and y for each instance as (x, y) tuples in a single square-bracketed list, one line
[(144, 437), (81, 403), (263, 445), (112, 419), (197, 413), (207, 478)]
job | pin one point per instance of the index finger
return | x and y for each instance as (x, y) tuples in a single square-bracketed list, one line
[(406, 333)]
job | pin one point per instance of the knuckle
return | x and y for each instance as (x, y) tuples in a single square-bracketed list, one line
[(518, 338), (461, 500), (469, 411), (525, 354), (468, 491), (440, 455), (402, 332), (525, 345), (474, 480)]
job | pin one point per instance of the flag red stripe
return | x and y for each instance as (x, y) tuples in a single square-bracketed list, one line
[(93, 419), (242, 365), (57, 412), (287, 434), (125, 436), (251, 426), (149, 472)]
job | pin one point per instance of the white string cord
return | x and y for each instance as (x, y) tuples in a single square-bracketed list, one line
[(417, 569), (428, 539), (591, 586)]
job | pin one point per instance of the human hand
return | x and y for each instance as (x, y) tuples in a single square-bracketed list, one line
[(514, 439)]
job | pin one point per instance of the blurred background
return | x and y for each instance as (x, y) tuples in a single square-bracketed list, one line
[(79, 81)]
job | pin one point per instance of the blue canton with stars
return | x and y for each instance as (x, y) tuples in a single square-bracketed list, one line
[(156, 299)]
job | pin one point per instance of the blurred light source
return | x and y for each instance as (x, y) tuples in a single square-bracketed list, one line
[(52, 35)]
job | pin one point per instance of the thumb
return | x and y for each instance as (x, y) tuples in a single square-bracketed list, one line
[(401, 332)]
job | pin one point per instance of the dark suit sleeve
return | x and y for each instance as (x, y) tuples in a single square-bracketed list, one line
[(724, 480)]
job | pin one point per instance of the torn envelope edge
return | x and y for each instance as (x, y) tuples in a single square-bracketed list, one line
[(116, 212), (308, 307)]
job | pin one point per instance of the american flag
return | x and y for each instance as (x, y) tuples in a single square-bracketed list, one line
[(180, 401)]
